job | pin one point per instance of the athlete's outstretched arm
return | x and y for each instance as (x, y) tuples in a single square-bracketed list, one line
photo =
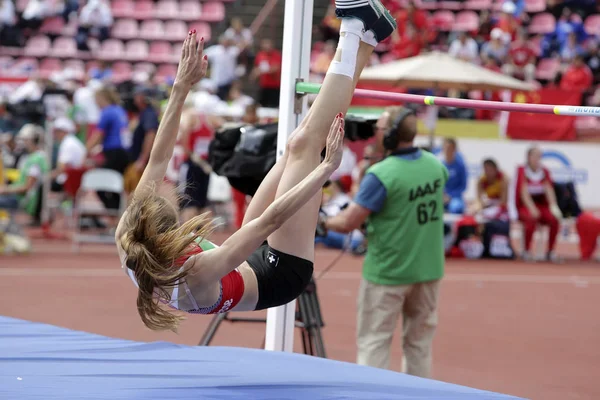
[(214, 264), (192, 68)]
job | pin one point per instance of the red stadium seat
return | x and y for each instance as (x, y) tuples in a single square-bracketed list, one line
[(49, 66), (136, 50), (547, 69), (64, 47), (213, 12), (535, 6), (166, 71), (478, 5), (37, 46), (443, 20), (121, 71), (203, 30), (70, 29), (536, 45), (466, 21), (53, 26), (153, 30), (166, 9), (592, 24), (76, 66), (125, 29), (6, 62), (175, 30), (542, 24), (122, 9), (160, 52), (111, 49), (450, 5), (24, 65), (190, 10), (426, 4), (143, 9)]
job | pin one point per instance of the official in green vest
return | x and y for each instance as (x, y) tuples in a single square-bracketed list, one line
[(25, 192), (401, 200)]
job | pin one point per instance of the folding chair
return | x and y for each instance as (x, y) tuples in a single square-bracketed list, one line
[(94, 180)]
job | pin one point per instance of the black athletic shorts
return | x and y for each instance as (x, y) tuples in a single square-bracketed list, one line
[(281, 277)]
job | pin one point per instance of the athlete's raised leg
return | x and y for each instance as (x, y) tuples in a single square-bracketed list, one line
[(268, 187), (296, 236)]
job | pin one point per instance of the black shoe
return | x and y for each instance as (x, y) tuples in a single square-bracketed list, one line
[(368, 11), (384, 26)]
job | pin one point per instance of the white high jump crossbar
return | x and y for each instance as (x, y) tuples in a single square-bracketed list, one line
[(295, 63)]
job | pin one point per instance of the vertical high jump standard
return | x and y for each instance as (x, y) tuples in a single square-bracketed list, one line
[(297, 35)]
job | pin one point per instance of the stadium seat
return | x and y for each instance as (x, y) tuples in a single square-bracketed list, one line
[(425, 4), (76, 66), (466, 21), (166, 71), (91, 65), (6, 62), (143, 9), (64, 47), (125, 29), (536, 45), (70, 29), (111, 49), (449, 5), (190, 10), (203, 30), (122, 9), (535, 6), (147, 67), (175, 30), (136, 50), (52, 26), (166, 9), (37, 46), (547, 69), (443, 20), (478, 5), (542, 24), (213, 12), (153, 30), (592, 25), (121, 71), (49, 66), (161, 52), (25, 65)]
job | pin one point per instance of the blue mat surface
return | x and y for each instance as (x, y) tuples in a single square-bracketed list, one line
[(39, 361)]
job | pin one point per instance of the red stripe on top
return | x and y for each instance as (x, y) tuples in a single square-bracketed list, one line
[(232, 284)]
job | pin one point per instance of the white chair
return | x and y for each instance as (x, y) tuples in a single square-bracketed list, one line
[(98, 179)]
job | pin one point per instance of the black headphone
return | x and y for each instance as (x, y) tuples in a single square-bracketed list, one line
[(391, 139)]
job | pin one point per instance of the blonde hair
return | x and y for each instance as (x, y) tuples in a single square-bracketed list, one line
[(153, 240)]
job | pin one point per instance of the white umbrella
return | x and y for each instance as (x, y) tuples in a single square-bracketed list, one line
[(437, 70)]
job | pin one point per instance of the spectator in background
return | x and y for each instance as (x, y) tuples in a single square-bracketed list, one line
[(457, 177), (464, 48), (592, 58), (536, 202), (521, 58), (144, 133), (268, 71), (108, 134), (577, 76), (417, 19), (10, 34), (7, 122), (495, 49), (486, 25), (238, 33), (407, 44), (330, 27), (251, 115), (71, 152), (322, 61), (223, 62), (84, 99), (570, 48), (95, 20), (507, 22), (237, 98), (565, 25), (103, 72), (371, 155), (492, 192), (26, 191), (34, 14)]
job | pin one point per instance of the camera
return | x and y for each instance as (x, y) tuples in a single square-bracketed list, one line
[(359, 128)]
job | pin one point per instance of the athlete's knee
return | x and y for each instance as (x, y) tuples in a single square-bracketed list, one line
[(301, 142)]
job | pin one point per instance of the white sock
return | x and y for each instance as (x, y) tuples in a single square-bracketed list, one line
[(369, 38), (350, 36)]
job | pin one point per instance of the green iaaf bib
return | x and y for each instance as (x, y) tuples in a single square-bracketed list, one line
[(406, 238)]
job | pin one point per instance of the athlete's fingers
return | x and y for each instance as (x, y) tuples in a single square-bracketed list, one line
[(193, 44), (200, 48), (184, 49), (204, 66)]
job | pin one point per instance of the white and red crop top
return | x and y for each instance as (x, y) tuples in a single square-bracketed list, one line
[(231, 286)]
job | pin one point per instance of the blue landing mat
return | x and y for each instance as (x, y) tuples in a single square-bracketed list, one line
[(39, 361)]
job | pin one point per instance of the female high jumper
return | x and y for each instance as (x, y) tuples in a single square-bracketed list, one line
[(269, 261)]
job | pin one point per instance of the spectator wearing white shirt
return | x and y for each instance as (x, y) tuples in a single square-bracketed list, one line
[(71, 152), (464, 48), (34, 14), (95, 20), (347, 166), (223, 62)]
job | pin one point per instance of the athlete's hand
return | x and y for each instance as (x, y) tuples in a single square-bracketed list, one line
[(193, 65), (335, 143)]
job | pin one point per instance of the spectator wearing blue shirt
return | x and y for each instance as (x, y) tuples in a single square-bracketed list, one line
[(110, 131), (457, 178), (145, 131)]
